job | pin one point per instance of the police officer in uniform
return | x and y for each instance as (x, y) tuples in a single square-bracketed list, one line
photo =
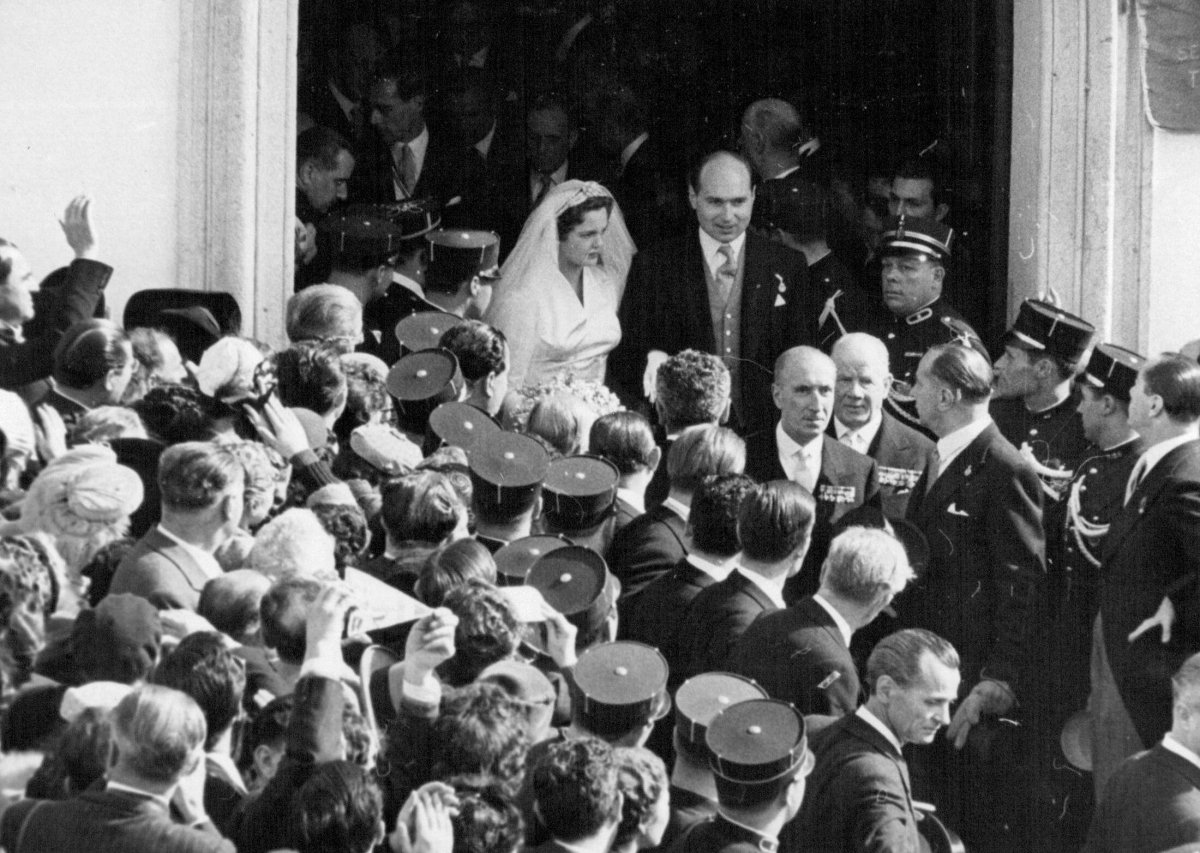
[(1035, 403), (760, 759), (914, 253), (506, 479)]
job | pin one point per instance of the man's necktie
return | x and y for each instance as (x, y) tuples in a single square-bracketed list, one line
[(802, 474), (405, 171), (727, 272), (1135, 479), (854, 441)]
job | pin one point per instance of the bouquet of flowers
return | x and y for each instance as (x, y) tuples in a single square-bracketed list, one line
[(595, 395)]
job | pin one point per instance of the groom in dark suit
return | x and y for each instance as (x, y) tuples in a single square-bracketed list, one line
[(721, 290), (797, 449)]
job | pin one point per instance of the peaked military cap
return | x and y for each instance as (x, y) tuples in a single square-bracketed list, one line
[(364, 231), (514, 560), (424, 329), (756, 742), (578, 491), (421, 381), (1113, 370), (619, 686), (457, 254), (911, 235), (1047, 328), (461, 424), (507, 470), (701, 698), (576, 582), (414, 217)]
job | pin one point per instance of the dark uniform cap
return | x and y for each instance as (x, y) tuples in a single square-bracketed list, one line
[(194, 329), (578, 491), (915, 544), (701, 698), (424, 329), (420, 382), (415, 217), (515, 559), (619, 687), (910, 235), (462, 425), (457, 254), (507, 469), (576, 582), (1047, 328), (363, 231), (757, 741), (1113, 370)]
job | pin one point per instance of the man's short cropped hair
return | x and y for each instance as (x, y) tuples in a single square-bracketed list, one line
[(284, 612), (898, 656), (195, 475), (203, 668), (321, 146), (642, 778), (693, 388), (310, 377), (1176, 379), (481, 729), (930, 168), (230, 602), (158, 731), (963, 369), (88, 351), (324, 312), (338, 808), (452, 566), (863, 562), (480, 349), (703, 451), (714, 513), (408, 78), (623, 438), (421, 507), (575, 788), (177, 413), (775, 519)]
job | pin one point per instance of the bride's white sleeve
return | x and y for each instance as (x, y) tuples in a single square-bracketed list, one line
[(515, 313)]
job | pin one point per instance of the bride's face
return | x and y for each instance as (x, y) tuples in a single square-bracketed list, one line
[(582, 246)]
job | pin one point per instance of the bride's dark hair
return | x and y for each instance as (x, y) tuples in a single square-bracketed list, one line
[(573, 215)]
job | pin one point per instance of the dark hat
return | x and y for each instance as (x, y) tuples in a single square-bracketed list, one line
[(507, 471), (1047, 328), (576, 582), (424, 329), (793, 207), (362, 231), (146, 306), (515, 559), (579, 491), (194, 329), (618, 687), (701, 698), (1113, 370), (421, 381), (911, 235), (461, 424), (910, 536), (119, 640), (457, 255), (756, 742), (414, 217)]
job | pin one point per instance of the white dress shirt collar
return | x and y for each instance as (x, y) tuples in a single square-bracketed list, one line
[(877, 724), (1153, 455), (228, 770), (129, 789), (408, 283), (948, 447), (1171, 745), (866, 432), (637, 500), (771, 590), (788, 448), (632, 148), (206, 561), (678, 507), (838, 619), (711, 248), (716, 571)]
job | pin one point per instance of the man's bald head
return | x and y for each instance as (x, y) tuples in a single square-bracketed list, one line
[(863, 379), (801, 357), (772, 124), (803, 392), (721, 192)]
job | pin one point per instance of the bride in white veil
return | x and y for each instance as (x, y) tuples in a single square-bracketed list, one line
[(560, 288)]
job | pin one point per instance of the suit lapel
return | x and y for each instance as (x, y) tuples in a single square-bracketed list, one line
[(1177, 764), (1144, 496), (696, 298), (754, 313), (864, 731), (751, 589), (947, 485), (182, 560)]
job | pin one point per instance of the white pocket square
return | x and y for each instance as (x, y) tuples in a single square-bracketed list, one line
[(779, 300), (954, 510)]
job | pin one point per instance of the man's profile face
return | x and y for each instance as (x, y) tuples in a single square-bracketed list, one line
[(397, 120), (723, 199), (322, 187), (1091, 412), (926, 392), (1014, 374), (16, 291), (910, 282), (862, 386), (1139, 403), (550, 140), (803, 392), (914, 197), (915, 712)]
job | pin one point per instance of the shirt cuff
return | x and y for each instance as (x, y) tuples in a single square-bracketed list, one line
[(429, 692), (332, 670)]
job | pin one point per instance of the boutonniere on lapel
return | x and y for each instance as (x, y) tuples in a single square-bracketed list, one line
[(781, 292), (967, 471)]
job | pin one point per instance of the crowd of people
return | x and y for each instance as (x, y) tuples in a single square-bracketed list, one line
[(588, 506)]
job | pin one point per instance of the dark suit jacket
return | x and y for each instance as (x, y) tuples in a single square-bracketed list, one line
[(103, 822), (449, 171), (798, 655), (901, 455), (654, 616), (623, 514), (646, 548), (858, 797), (718, 616), (380, 317), (650, 192), (1151, 551), (1151, 803), (847, 480), (161, 571), (687, 809), (665, 307), (983, 522)]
